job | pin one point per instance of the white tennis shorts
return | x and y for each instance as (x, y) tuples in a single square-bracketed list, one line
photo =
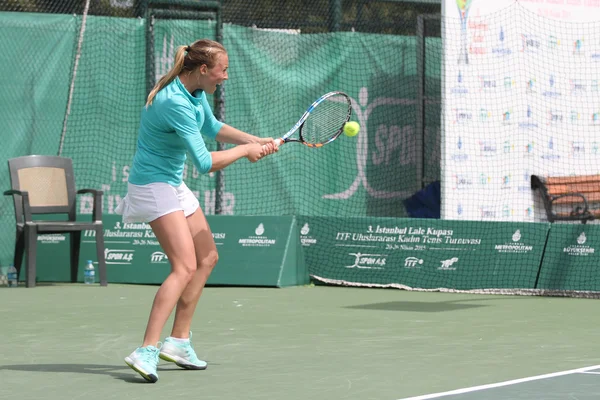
[(145, 203)]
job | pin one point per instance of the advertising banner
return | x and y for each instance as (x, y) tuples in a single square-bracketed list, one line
[(424, 254), (253, 251), (520, 97), (571, 258)]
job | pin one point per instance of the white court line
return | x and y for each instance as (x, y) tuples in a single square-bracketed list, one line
[(500, 384)]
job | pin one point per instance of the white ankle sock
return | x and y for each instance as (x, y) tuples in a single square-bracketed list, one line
[(180, 340)]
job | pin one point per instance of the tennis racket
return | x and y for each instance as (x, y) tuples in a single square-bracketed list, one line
[(322, 122)]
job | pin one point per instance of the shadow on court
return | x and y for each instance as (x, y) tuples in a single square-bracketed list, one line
[(128, 375), (416, 306), (441, 306)]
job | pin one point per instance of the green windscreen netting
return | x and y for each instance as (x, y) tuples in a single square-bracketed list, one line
[(520, 98), (78, 81), (77, 84)]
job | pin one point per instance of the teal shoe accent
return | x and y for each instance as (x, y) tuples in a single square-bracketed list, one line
[(144, 361), (182, 354)]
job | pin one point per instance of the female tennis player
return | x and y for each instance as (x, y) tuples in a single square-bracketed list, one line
[(174, 117)]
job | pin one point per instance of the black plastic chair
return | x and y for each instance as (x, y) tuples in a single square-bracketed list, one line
[(46, 185)]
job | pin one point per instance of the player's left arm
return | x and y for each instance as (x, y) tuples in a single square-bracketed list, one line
[(229, 134)]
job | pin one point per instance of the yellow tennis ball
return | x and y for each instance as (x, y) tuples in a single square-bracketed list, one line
[(351, 128)]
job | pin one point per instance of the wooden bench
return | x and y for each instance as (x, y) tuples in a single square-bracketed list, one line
[(563, 192)]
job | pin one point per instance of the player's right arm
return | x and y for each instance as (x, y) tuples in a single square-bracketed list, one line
[(182, 118), (221, 159)]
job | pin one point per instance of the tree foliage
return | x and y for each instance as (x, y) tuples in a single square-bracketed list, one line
[(309, 16)]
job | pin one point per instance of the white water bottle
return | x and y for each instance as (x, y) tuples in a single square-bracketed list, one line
[(89, 273), (3, 278), (11, 276)]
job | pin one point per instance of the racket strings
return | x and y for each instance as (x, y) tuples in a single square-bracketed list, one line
[(326, 120)]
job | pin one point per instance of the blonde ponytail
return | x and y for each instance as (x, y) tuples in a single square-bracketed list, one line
[(172, 74), (187, 58)]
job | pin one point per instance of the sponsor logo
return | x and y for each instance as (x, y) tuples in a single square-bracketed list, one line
[(507, 211), (515, 246), (554, 117), (528, 122), (368, 261), (509, 82), (484, 179), (525, 185), (528, 148), (487, 148), (487, 83), (51, 238), (158, 257), (259, 240), (462, 182), (530, 43), (551, 90), (123, 257), (305, 239), (260, 229), (462, 116), (531, 85), (578, 47), (507, 181), (551, 153), (413, 262), (507, 117), (487, 212), (529, 212), (460, 153), (577, 149), (447, 264), (501, 49), (578, 87), (553, 42), (579, 249), (460, 89), (484, 115)]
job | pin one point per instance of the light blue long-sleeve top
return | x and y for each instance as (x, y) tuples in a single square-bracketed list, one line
[(170, 128)]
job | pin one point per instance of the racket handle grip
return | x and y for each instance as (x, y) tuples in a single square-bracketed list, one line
[(278, 142)]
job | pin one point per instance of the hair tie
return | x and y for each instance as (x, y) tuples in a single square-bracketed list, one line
[(188, 49)]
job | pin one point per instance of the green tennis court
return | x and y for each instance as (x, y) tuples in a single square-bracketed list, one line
[(67, 341), (579, 384)]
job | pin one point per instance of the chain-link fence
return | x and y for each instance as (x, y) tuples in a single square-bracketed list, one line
[(79, 72)]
